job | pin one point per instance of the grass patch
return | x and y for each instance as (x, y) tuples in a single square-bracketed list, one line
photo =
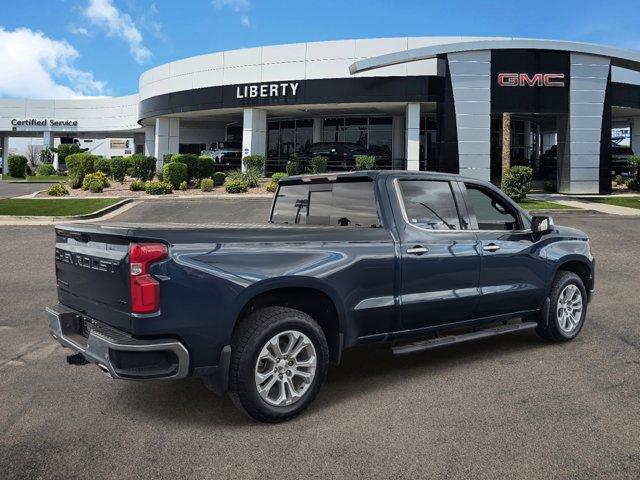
[(531, 204), (37, 178), (55, 207), (631, 202)]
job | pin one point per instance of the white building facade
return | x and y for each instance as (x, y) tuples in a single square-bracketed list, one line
[(418, 103)]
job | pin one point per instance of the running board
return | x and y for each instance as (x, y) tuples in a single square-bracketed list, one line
[(464, 337)]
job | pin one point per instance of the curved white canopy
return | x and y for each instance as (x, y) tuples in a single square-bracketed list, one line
[(620, 57)]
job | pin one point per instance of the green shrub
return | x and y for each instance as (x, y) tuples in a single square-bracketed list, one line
[(252, 176), (160, 176), (183, 186), (158, 188), (276, 177), (293, 165), (18, 166), (118, 169), (254, 162), (46, 169), (166, 158), (318, 164), (219, 178), (634, 166), (190, 160), (95, 186), (206, 184), (205, 166), (93, 178), (235, 186), (66, 149), (618, 180), (516, 182), (365, 162), (272, 187), (79, 165), (136, 186), (174, 173), (57, 190), (102, 165), (632, 184), (46, 155), (143, 167)]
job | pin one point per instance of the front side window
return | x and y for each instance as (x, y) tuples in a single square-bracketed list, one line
[(491, 211), (430, 204), (341, 204)]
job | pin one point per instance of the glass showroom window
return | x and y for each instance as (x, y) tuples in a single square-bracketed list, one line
[(285, 137)]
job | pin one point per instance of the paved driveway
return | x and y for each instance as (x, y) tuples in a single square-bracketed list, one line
[(510, 407), (15, 189)]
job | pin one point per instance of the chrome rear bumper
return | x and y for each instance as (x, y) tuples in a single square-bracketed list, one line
[(117, 353)]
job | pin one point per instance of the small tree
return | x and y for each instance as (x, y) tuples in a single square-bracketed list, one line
[(506, 144), (33, 154), (46, 155), (66, 149), (634, 166)]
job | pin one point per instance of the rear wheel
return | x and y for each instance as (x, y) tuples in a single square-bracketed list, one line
[(567, 308), (279, 361)]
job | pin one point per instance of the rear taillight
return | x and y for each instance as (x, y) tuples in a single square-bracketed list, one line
[(145, 290)]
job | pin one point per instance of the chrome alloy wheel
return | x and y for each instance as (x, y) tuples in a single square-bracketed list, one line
[(569, 308), (285, 368)]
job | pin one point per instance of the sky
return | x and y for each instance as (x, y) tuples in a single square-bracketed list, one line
[(75, 48)]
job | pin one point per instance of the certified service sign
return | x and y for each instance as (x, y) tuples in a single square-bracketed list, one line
[(34, 122)]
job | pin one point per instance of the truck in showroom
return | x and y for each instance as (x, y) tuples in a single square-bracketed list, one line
[(415, 259)]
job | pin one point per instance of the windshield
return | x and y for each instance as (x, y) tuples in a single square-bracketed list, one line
[(342, 204)]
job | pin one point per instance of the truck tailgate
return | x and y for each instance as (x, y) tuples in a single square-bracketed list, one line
[(92, 272)]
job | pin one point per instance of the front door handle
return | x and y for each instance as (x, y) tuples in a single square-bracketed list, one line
[(492, 247), (417, 250)]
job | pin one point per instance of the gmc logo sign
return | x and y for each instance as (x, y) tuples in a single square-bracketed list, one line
[(535, 80)]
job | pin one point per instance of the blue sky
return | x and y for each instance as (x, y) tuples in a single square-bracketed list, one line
[(66, 48)]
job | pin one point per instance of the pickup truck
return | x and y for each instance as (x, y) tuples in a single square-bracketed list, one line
[(415, 259)]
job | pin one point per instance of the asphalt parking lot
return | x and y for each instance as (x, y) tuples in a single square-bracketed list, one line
[(508, 407), (11, 189)]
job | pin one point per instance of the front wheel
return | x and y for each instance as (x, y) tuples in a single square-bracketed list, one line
[(567, 309), (279, 360)]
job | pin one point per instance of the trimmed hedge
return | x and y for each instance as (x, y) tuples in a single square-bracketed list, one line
[(205, 166), (17, 166), (236, 186), (78, 166), (174, 173), (118, 168), (219, 178), (516, 182), (254, 162), (190, 160), (46, 169), (158, 188), (102, 165), (277, 176), (143, 167)]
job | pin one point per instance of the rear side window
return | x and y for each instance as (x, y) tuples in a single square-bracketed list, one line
[(343, 204), (430, 204)]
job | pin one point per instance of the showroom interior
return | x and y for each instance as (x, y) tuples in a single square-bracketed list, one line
[(416, 103)]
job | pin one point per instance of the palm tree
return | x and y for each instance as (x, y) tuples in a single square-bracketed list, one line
[(506, 144)]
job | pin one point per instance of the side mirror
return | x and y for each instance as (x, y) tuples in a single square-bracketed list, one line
[(540, 224)]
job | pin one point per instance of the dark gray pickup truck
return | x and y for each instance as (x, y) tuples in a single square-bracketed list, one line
[(419, 260)]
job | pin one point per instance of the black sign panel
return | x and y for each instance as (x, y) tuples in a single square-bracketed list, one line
[(297, 92), (529, 81)]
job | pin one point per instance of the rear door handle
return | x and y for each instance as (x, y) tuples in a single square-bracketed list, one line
[(492, 247), (417, 250)]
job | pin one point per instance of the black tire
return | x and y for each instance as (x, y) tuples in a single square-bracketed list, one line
[(551, 330), (250, 336)]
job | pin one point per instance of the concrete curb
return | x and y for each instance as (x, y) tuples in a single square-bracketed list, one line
[(104, 213)]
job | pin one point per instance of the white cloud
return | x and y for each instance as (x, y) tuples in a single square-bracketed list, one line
[(238, 6), (104, 14), (36, 66), (75, 30)]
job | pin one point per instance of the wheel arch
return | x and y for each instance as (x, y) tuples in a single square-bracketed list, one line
[(580, 266), (309, 295)]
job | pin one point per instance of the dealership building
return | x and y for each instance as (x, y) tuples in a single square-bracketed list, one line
[(419, 103)]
